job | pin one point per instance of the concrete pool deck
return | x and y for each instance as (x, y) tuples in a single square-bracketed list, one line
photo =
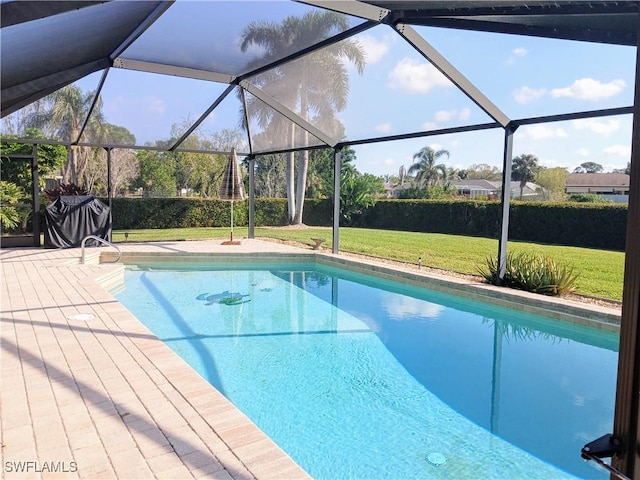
[(88, 392)]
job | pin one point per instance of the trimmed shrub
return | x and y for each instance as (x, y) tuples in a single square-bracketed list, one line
[(140, 213)]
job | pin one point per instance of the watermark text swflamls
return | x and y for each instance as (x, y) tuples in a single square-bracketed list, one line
[(26, 466)]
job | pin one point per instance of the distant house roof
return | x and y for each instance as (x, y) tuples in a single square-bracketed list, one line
[(598, 180), (490, 185), (475, 184)]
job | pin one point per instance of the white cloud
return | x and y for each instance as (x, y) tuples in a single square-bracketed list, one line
[(429, 126), (517, 52), (414, 76), (374, 49), (448, 115), (384, 128), (464, 114), (583, 152), (618, 151), (540, 132), (148, 104), (407, 308), (444, 115), (154, 105), (527, 94), (590, 89), (594, 125)]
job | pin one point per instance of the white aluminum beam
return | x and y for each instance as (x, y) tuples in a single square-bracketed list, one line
[(351, 7), (291, 115), (152, 67), (452, 73)]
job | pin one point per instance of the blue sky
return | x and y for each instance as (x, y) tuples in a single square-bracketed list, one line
[(400, 92), (524, 76)]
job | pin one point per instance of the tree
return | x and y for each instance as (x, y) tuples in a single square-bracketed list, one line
[(357, 193), (63, 116), (553, 181), (589, 167), (201, 173), (428, 173), (12, 200), (524, 169), (50, 160), (481, 171), (626, 170), (157, 174), (315, 85), (270, 176)]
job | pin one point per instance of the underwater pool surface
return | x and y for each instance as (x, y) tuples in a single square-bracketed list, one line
[(356, 377)]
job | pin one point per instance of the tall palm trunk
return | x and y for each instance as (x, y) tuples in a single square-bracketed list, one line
[(303, 160), (303, 167), (290, 172), (69, 173)]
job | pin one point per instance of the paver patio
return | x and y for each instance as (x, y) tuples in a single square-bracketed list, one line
[(104, 398)]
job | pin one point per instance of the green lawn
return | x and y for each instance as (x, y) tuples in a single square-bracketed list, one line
[(600, 271)]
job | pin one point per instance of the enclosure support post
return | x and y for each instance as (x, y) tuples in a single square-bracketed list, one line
[(505, 200), (626, 423), (35, 195), (337, 160), (252, 196), (109, 191)]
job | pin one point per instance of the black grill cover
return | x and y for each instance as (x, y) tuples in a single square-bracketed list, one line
[(71, 218)]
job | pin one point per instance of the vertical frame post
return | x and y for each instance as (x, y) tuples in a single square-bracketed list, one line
[(35, 195), (337, 161), (626, 423), (505, 200), (252, 196), (109, 191)]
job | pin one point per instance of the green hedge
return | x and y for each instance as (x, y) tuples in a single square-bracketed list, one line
[(592, 225), (460, 217), (139, 213), (574, 224)]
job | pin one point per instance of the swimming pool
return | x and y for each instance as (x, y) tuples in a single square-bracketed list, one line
[(359, 377)]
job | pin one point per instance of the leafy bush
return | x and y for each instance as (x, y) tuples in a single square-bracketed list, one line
[(587, 198), (531, 272), (10, 197)]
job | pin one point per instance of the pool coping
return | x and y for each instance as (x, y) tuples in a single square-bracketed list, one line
[(105, 393)]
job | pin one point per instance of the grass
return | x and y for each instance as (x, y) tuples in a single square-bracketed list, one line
[(600, 272)]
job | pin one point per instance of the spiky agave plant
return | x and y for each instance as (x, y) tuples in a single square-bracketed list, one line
[(532, 272)]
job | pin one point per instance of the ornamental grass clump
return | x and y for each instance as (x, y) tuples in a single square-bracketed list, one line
[(533, 273)]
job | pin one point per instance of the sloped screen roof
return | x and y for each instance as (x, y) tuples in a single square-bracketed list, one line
[(47, 45)]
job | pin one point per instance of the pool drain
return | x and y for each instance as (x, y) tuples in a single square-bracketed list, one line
[(436, 459)]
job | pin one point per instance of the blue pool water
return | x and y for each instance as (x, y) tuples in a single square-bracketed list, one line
[(356, 377)]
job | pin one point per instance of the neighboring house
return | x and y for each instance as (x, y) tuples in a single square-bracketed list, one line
[(490, 189), (613, 186), (474, 188)]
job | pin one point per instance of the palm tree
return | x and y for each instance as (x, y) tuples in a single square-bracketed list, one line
[(426, 170), (66, 113), (315, 85), (524, 169)]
